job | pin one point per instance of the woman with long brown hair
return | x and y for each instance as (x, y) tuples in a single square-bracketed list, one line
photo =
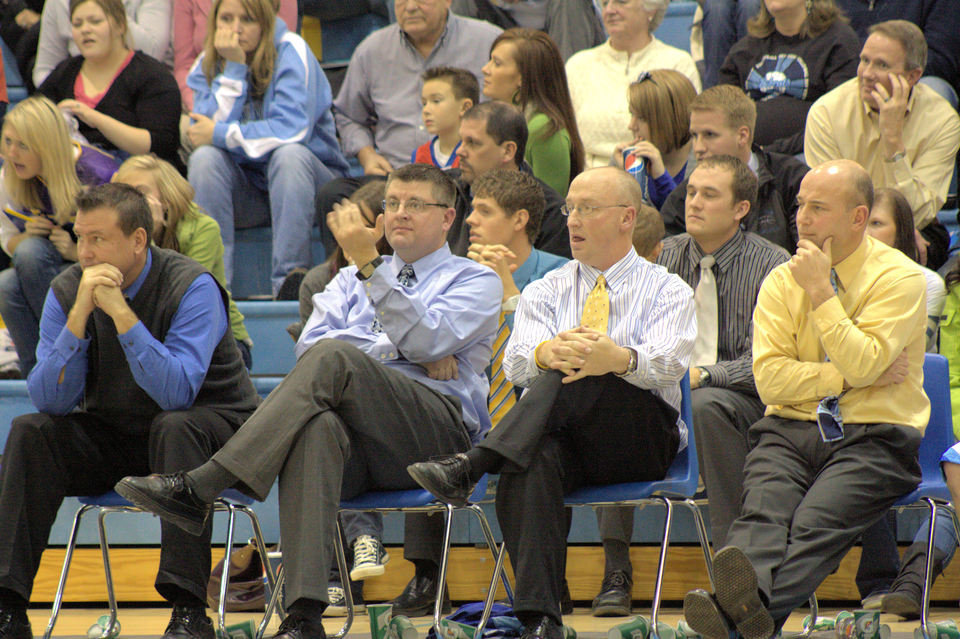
[(526, 69)]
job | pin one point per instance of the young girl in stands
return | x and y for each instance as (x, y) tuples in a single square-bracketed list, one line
[(125, 102), (264, 132), (42, 173), (891, 222), (179, 225), (660, 123), (526, 69)]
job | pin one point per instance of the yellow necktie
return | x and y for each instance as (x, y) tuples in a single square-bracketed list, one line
[(502, 397), (596, 310)]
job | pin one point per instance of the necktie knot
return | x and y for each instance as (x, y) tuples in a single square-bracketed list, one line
[(406, 275), (707, 262)]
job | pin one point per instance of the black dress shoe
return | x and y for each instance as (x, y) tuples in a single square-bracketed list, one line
[(14, 624), (738, 594), (615, 595), (448, 478), (566, 601), (703, 614), (189, 623), (171, 497), (299, 627), (546, 628), (418, 598)]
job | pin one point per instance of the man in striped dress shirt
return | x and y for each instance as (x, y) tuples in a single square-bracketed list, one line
[(601, 344), (719, 194)]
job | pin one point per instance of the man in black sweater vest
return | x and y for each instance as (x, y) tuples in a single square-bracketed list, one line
[(137, 339)]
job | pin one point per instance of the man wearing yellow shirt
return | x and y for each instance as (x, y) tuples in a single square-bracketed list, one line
[(837, 358), (904, 134)]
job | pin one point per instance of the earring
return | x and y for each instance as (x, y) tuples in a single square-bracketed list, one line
[(515, 98)]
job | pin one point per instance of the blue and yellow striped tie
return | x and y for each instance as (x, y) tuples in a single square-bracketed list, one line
[(502, 397)]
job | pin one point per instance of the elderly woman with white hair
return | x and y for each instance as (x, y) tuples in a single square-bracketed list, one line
[(599, 77)]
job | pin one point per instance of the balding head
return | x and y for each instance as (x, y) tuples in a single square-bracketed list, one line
[(835, 199), (603, 203)]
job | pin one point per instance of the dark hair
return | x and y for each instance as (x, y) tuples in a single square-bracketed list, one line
[(543, 86), (444, 188), (743, 180), (463, 83), (512, 191), (131, 207), (904, 238), (821, 14), (504, 123), (371, 196)]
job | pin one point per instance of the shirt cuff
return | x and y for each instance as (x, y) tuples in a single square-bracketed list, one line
[(135, 341), (68, 345)]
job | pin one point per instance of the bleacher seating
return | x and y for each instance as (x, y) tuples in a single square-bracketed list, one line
[(272, 346), (675, 29)]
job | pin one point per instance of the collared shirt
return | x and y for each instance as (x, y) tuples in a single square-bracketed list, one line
[(841, 125), (741, 266), (452, 308), (651, 312), (171, 372), (379, 102), (880, 311)]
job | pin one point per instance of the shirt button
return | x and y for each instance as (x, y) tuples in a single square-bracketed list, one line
[(392, 355), (382, 356)]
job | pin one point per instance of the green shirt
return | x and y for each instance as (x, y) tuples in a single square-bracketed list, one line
[(199, 238), (950, 348), (549, 158)]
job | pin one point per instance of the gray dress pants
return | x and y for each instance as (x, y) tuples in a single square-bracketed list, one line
[(339, 424)]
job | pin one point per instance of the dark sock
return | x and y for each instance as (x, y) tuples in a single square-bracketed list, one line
[(617, 556), (177, 596), (211, 479), (12, 601), (482, 461), (311, 609)]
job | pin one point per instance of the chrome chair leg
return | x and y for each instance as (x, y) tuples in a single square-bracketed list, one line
[(107, 571), (68, 557), (661, 564)]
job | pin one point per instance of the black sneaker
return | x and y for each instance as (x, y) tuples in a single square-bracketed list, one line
[(189, 623), (614, 597), (290, 288)]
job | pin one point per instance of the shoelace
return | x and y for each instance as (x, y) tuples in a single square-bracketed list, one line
[(614, 579), (366, 550)]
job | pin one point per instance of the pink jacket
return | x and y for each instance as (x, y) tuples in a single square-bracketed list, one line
[(190, 30)]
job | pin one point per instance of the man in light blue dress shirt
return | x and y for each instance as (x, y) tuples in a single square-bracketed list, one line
[(372, 390), (597, 399)]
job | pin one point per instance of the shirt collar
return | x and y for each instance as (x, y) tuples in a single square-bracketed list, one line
[(525, 271), (449, 28), (753, 163), (423, 267), (131, 291), (853, 263), (614, 275), (724, 256), (874, 114)]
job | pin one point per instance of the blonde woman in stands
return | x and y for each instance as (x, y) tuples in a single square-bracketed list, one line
[(599, 77), (263, 132), (190, 32), (125, 102), (42, 173), (180, 225), (526, 70)]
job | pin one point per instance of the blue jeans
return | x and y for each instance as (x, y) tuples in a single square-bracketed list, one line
[(23, 288), (724, 22), (281, 195)]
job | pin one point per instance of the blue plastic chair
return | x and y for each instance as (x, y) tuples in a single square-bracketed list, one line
[(677, 488), (932, 493), (231, 502), (406, 501)]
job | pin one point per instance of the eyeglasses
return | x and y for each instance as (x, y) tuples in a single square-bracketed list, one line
[(585, 210), (410, 206)]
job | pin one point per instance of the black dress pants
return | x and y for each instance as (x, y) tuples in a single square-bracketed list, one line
[(598, 430), (49, 457)]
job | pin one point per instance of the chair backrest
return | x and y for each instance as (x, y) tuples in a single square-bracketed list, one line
[(938, 436), (684, 467)]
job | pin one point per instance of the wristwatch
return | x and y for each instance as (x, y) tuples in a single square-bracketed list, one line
[(365, 271), (899, 155), (632, 366), (704, 377)]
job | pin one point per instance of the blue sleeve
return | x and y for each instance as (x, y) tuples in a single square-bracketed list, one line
[(56, 383), (224, 99), (662, 187), (171, 372), (288, 117), (458, 317)]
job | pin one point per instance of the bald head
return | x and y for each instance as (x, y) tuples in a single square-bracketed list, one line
[(604, 203), (834, 202)]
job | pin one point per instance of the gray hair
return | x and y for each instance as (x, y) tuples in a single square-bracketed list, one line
[(659, 9)]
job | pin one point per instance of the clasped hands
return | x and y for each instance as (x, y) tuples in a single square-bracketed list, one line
[(101, 287), (582, 352)]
